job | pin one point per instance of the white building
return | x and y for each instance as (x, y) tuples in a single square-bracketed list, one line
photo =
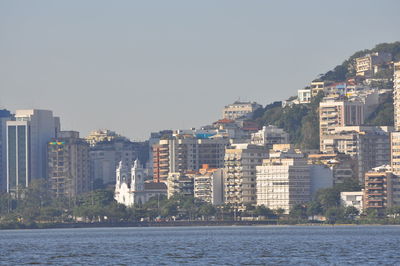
[(130, 187), (208, 185), (270, 135), (304, 95), (283, 183), (353, 198), (240, 178), (27, 139)]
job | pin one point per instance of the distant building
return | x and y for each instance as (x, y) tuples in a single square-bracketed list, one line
[(343, 166), (208, 185), (396, 96), (5, 116), (369, 145), (369, 64), (270, 135), (239, 110), (27, 139), (180, 184), (68, 165), (106, 155), (317, 87), (353, 198), (304, 95), (382, 189), (240, 178), (101, 135), (131, 188), (187, 152), (334, 114), (283, 183)]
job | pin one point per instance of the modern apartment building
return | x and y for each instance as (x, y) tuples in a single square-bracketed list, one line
[(182, 153), (68, 165), (239, 110), (27, 139), (5, 116), (270, 135), (369, 145), (334, 114), (317, 87), (382, 189), (240, 173), (396, 96), (180, 184), (208, 185), (283, 183)]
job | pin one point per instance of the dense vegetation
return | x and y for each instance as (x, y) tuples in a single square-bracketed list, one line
[(347, 68), (300, 121), (384, 114)]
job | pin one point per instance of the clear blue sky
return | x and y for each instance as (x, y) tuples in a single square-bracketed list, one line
[(142, 66)]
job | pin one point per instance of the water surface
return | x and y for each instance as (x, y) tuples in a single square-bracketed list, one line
[(235, 245)]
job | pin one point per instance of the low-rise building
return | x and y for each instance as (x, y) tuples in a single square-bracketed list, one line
[(239, 110), (369, 64), (352, 198)]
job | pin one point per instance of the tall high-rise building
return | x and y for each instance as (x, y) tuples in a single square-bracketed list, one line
[(68, 165), (334, 114), (283, 183), (395, 136), (182, 153), (240, 173), (5, 116), (27, 139), (396, 96), (240, 110)]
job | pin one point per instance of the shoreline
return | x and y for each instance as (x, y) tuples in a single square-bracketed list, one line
[(170, 224)]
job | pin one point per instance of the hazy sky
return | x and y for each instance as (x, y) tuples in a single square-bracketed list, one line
[(142, 66)]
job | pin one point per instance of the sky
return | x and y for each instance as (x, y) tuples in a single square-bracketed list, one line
[(137, 67)]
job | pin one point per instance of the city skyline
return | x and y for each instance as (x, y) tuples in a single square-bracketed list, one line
[(136, 68)]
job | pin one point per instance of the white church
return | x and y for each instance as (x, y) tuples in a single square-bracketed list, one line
[(131, 188)]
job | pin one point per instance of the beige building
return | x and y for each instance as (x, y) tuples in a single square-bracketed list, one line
[(239, 110), (68, 165), (396, 96), (317, 87), (283, 183), (100, 135), (369, 145), (182, 153), (180, 184), (382, 188), (240, 173), (369, 64), (334, 114)]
